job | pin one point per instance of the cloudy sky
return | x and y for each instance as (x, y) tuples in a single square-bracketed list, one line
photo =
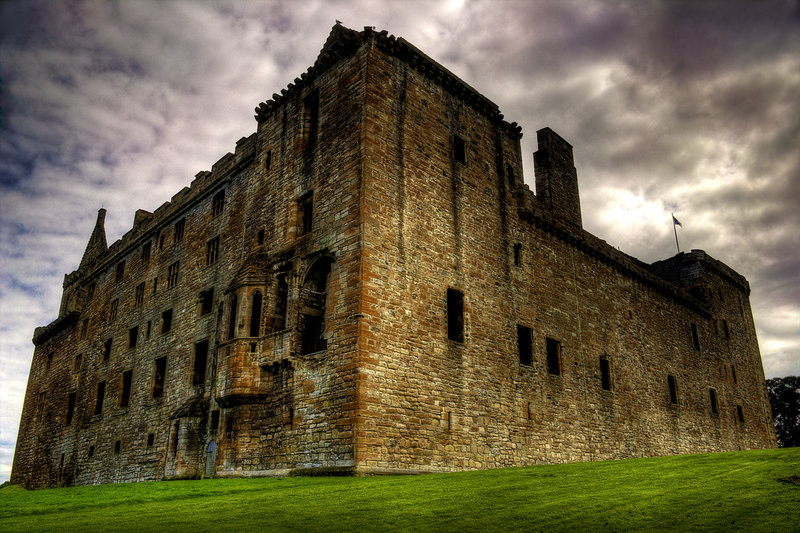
[(684, 107)]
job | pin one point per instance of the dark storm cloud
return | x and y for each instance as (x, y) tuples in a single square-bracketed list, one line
[(691, 107)]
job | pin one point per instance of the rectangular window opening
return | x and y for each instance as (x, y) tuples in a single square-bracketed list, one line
[(218, 203), (107, 349), (673, 389), (125, 394), (84, 328), (139, 295), (740, 414), (605, 373), (146, 253), (455, 315), (200, 359), (733, 374), (112, 315), (459, 149), (214, 420), (159, 377), (166, 321), (120, 271), (310, 119), (725, 329), (180, 227), (206, 301), (553, 357), (525, 345), (268, 160), (212, 251), (151, 438), (172, 275), (714, 403), (133, 337), (101, 393), (517, 254), (78, 361), (117, 447), (305, 214), (70, 407), (695, 337)]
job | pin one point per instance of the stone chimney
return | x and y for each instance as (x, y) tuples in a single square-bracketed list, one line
[(556, 177)]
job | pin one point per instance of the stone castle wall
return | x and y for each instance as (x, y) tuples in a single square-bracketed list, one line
[(379, 196)]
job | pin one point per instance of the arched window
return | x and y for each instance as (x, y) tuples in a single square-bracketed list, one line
[(255, 315)]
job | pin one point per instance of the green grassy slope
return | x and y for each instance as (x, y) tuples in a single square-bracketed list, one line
[(751, 491)]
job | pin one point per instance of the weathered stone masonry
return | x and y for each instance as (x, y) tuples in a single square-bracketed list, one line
[(366, 285)]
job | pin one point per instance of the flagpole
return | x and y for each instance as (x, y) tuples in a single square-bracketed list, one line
[(675, 229)]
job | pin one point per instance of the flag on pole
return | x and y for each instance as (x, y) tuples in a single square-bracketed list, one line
[(676, 222)]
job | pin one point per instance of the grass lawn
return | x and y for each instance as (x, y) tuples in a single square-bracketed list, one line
[(750, 491)]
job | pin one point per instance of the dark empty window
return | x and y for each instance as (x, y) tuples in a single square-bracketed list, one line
[(673, 389), (172, 275), (525, 345), (101, 394), (255, 315), (218, 203), (162, 241), (166, 321), (70, 407), (214, 420), (206, 301), (260, 239), (151, 438), (553, 356), (180, 227), (733, 374), (146, 253), (313, 339), (212, 250), (268, 160), (133, 336), (459, 149), (139, 295), (305, 213), (740, 414), (200, 358), (78, 361), (712, 395), (455, 315), (177, 436), (517, 254), (605, 373), (725, 329), (159, 377), (232, 318), (107, 349), (310, 118), (125, 394), (149, 329), (91, 450), (117, 447), (155, 284), (112, 315), (120, 271), (695, 337)]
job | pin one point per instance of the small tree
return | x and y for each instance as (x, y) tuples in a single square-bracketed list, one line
[(784, 395)]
